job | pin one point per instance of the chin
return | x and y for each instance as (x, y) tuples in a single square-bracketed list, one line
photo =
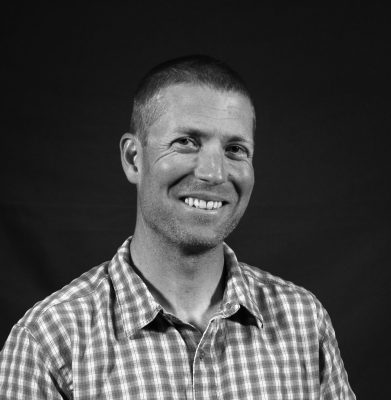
[(192, 238), (191, 242)]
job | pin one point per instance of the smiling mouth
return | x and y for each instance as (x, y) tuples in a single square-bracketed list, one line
[(203, 204)]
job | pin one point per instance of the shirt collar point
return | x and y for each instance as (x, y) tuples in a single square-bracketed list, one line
[(144, 321)]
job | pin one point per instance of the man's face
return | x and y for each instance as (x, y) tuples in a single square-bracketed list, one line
[(196, 173)]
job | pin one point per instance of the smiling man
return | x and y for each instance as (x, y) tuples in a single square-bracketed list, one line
[(174, 315), (194, 178)]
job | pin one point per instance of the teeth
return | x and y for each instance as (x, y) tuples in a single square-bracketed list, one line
[(203, 204)]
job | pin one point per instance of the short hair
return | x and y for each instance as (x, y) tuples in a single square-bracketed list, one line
[(193, 69)]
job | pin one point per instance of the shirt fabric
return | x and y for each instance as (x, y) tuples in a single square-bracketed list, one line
[(104, 336)]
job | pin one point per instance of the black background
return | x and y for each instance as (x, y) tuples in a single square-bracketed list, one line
[(319, 215)]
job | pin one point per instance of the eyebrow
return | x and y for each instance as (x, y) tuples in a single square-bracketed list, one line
[(201, 133)]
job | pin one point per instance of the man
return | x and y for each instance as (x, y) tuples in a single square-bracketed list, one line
[(174, 315)]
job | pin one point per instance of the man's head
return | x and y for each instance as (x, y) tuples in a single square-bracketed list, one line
[(197, 70), (190, 153)]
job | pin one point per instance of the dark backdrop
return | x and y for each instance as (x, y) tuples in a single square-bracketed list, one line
[(319, 214)]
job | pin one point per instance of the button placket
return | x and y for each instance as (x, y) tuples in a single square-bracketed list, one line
[(204, 370)]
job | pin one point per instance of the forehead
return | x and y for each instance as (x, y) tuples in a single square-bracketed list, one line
[(206, 107)]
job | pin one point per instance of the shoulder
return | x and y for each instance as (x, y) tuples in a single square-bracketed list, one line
[(65, 306), (48, 334), (277, 296), (260, 277)]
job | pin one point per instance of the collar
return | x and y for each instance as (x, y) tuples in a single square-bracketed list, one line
[(238, 292), (138, 306)]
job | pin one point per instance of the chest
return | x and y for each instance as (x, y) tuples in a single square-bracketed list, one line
[(229, 361)]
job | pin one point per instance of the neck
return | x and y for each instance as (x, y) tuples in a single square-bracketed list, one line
[(189, 285)]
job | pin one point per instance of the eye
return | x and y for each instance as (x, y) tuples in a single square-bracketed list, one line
[(237, 151), (185, 143)]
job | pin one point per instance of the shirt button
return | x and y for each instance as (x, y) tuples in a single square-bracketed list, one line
[(201, 355)]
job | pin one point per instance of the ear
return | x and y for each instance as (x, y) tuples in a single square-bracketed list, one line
[(130, 147)]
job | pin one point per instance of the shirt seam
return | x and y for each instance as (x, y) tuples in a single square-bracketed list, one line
[(44, 310)]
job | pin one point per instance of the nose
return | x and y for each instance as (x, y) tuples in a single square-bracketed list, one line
[(211, 165)]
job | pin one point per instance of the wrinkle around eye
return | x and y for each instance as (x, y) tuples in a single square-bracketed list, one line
[(166, 153), (157, 151), (190, 146)]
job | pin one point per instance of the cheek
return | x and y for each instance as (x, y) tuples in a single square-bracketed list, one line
[(159, 177), (245, 180), (173, 167)]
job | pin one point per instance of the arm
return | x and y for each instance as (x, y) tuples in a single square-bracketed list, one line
[(333, 377), (26, 372)]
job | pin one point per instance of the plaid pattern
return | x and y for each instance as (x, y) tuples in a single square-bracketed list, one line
[(105, 337)]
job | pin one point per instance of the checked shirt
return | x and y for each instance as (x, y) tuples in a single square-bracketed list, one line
[(105, 337)]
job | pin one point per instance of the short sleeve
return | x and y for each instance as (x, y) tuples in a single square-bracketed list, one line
[(334, 384), (25, 371)]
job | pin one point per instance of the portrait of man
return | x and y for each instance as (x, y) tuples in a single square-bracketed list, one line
[(175, 314), (194, 201)]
